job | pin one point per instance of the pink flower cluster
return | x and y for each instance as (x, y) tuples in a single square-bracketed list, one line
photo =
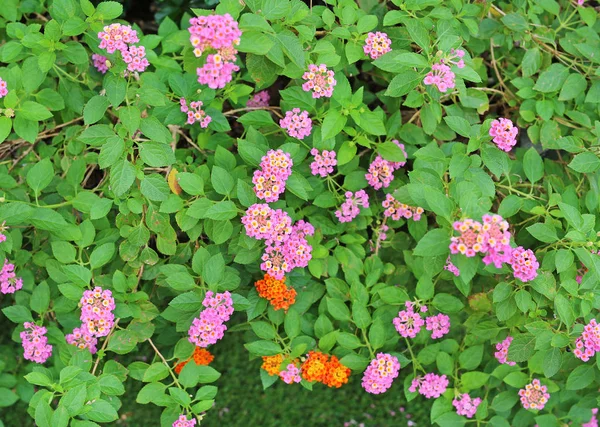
[(9, 282), (495, 239), (182, 421), (439, 325), (323, 163), (409, 323), (502, 352), (377, 44), (504, 134), (96, 311), (381, 172), (264, 223), (580, 3), (135, 58), (380, 373), (259, 100), (470, 240), (100, 63), (195, 113), (397, 210), (320, 80), (3, 88), (291, 374), (81, 338), (451, 267), (117, 37), (210, 326), (350, 208), (220, 33), (534, 395), (441, 76), (524, 264), (269, 181), (3, 228), (465, 405), (35, 343), (297, 123), (594, 421), (430, 385), (588, 344), (456, 54)]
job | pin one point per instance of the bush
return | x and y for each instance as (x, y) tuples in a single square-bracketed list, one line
[(373, 195)]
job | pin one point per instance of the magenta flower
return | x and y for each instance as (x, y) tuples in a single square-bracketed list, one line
[(441, 76), (135, 58), (504, 134), (495, 240), (323, 163), (451, 267), (502, 352), (439, 325), (465, 405), (259, 100), (380, 374), (454, 55), (381, 172), (470, 240), (100, 63), (430, 385), (291, 374), (588, 344), (534, 395), (117, 37), (288, 253), (408, 323), (195, 113), (319, 80), (377, 44), (524, 264), (9, 282), (81, 338), (350, 208), (182, 421), (96, 311), (396, 210), (3, 88), (296, 123), (264, 223), (35, 343), (213, 31), (269, 181), (216, 72), (210, 327)]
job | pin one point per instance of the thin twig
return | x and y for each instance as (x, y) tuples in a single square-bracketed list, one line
[(104, 344), (273, 109), (165, 362)]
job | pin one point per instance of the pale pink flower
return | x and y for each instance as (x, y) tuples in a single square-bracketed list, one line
[(504, 134), (377, 44), (465, 405), (534, 395), (441, 76), (297, 123), (319, 80)]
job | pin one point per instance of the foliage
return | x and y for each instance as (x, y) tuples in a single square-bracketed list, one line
[(104, 184)]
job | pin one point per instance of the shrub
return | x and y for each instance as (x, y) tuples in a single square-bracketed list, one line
[(402, 194)]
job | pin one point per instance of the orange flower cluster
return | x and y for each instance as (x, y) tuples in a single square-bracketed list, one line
[(272, 364), (276, 291), (201, 356), (321, 368)]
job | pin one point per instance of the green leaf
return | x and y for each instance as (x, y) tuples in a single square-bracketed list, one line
[(122, 176), (391, 152), (586, 162), (521, 348), (403, 83), (459, 125), (109, 10), (552, 362), (581, 377), (155, 188), (515, 22), (333, 124), (95, 108), (222, 181), (102, 411), (447, 303), (366, 24), (338, 309), (434, 243), (533, 165), (31, 110), (474, 380), (40, 298), (552, 79), (574, 86), (40, 176), (5, 127), (17, 314), (543, 232), (222, 211), (564, 309), (102, 255), (263, 348)]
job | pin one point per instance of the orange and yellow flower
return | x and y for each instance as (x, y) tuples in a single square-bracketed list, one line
[(201, 356), (314, 367), (272, 364), (336, 374), (276, 291)]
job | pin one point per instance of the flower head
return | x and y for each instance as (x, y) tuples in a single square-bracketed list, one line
[(456, 58), (272, 364), (264, 223), (81, 338), (504, 134), (96, 311), (182, 421), (534, 395), (336, 374), (260, 99), (524, 264), (269, 181), (35, 343), (495, 239), (314, 367), (210, 327), (430, 385), (408, 323), (441, 76), (502, 352), (9, 282), (439, 325), (213, 31), (117, 37), (291, 374), (201, 357), (99, 62), (451, 267), (380, 373), (279, 295), (216, 72), (296, 123), (319, 80), (377, 44), (351, 207), (396, 210), (135, 58), (3, 88), (470, 240), (465, 405), (588, 344), (195, 113), (323, 163)]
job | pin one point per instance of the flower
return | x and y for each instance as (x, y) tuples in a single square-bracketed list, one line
[(96, 311), (135, 58), (117, 37), (495, 239), (323, 163), (3, 88), (336, 374), (380, 173), (216, 72), (291, 374), (430, 385), (201, 357), (35, 343), (350, 208), (320, 80), (9, 282), (380, 373), (377, 44), (209, 327), (196, 114), (264, 223), (534, 395), (504, 134), (81, 338), (279, 295), (451, 267), (465, 405), (99, 62), (441, 76), (502, 352), (259, 100), (182, 421), (397, 210), (272, 364), (269, 181), (588, 344), (470, 240), (408, 323), (454, 54), (3, 227), (314, 367), (213, 31), (439, 325), (297, 123), (524, 264)]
